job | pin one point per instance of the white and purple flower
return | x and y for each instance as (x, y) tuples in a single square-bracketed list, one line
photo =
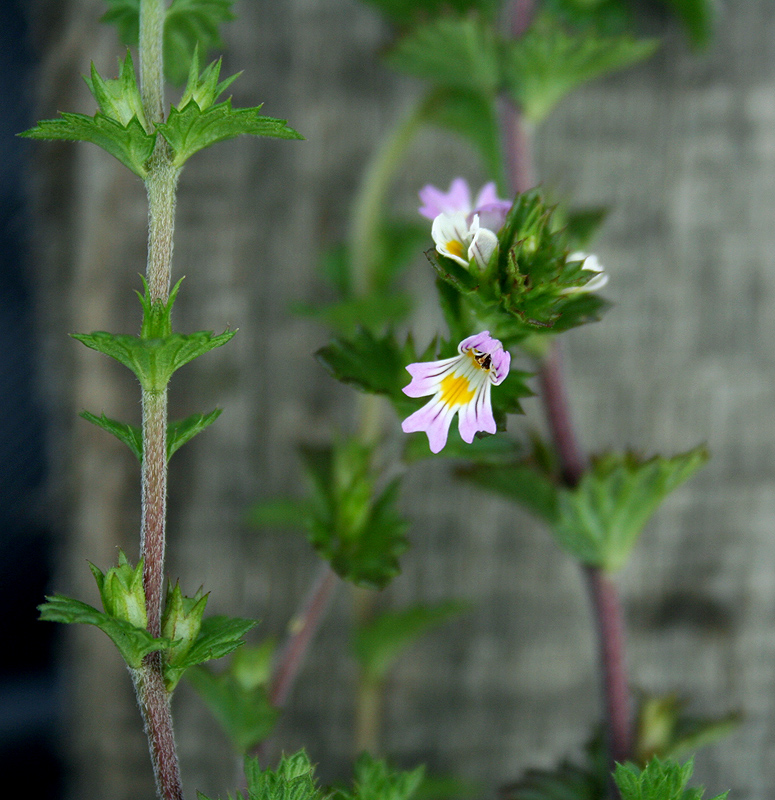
[(591, 264), (462, 230), (461, 385)]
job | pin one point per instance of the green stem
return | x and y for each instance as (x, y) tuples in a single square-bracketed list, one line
[(152, 13), (161, 185), (370, 202)]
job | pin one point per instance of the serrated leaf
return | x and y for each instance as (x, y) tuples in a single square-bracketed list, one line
[(375, 779), (547, 63), (188, 24), (658, 780), (244, 713), (457, 53), (129, 143), (130, 435), (154, 361), (294, 779), (599, 520), (191, 129), (379, 642), (565, 782), (473, 115), (133, 643), (178, 432), (181, 431), (351, 524), (697, 16), (371, 364), (218, 636)]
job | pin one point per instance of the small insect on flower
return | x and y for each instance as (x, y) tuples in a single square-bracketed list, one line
[(459, 384)]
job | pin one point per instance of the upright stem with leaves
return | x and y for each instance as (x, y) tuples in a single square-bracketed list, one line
[(161, 184)]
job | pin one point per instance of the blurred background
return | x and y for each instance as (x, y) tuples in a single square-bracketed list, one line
[(682, 148)]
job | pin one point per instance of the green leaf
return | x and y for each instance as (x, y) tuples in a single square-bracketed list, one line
[(371, 313), (188, 24), (154, 360), (454, 53), (375, 779), (181, 431), (663, 729), (371, 363), (697, 16), (132, 642), (379, 642), (473, 115), (351, 524), (244, 712), (599, 521), (658, 780), (191, 128), (217, 637), (130, 435), (547, 63), (178, 432), (129, 143)]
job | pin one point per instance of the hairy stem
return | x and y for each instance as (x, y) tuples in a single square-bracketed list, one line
[(161, 185), (154, 700), (302, 630), (151, 47)]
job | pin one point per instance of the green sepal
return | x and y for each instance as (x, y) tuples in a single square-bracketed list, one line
[(188, 24), (205, 89), (293, 779), (119, 98), (129, 143), (122, 592), (217, 637), (379, 642), (190, 129), (181, 622), (658, 780), (238, 697), (452, 52), (548, 62), (662, 728), (178, 432), (124, 617), (375, 779)]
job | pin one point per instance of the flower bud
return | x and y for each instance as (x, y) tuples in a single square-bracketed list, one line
[(121, 589)]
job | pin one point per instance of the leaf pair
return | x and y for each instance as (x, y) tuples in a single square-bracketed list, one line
[(598, 521)]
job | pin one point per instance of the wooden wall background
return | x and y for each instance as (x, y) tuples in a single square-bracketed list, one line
[(682, 148)]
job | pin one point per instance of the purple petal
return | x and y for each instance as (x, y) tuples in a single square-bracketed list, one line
[(434, 418), (488, 195), (435, 201), (493, 216), (481, 341), (477, 415), (501, 363), (427, 376)]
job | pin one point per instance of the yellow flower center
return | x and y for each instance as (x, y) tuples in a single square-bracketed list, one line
[(456, 390), (456, 248)]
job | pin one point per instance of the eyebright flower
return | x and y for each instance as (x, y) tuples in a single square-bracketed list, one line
[(459, 384), (591, 264), (461, 230)]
